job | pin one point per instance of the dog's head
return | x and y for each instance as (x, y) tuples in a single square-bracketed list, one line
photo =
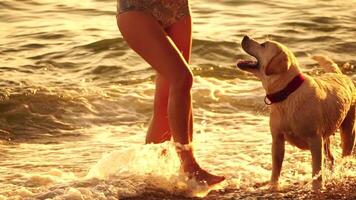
[(274, 60)]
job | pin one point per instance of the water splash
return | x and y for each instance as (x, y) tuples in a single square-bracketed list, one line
[(157, 164)]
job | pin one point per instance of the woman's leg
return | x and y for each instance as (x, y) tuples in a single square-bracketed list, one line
[(159, 131), (145, 36), (181, 35)]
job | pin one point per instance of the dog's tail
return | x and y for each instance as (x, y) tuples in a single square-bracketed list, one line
[(328, 64)]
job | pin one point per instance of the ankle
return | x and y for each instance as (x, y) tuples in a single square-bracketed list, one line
[(188, 162)]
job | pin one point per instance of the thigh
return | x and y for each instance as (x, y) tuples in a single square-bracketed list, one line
[(146, 36), (181, 34)]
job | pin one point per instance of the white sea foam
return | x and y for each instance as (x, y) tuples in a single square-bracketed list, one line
[(157, 164)]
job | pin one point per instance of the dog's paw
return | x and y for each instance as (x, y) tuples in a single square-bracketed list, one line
[(273, 186), (317, 185)]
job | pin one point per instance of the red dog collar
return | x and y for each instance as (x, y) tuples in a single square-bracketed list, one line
[(283, 94)]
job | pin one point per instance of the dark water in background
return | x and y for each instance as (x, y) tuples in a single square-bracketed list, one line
[(71, 90)]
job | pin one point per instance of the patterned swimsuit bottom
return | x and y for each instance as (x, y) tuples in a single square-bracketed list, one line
[(166, 12)]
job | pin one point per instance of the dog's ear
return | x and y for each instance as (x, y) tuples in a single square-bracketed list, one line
[(278, 64)]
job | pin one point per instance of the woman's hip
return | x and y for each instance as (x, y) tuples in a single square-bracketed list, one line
[(166, 12)]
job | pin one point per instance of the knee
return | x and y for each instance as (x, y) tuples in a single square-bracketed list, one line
[(183, 81)]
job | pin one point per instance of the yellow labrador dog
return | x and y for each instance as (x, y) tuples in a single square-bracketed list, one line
[(305, 111)]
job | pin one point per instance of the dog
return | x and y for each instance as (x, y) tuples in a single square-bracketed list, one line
[(305, 111)]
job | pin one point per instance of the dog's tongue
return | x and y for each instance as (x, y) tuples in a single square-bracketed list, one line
[(247, 64)]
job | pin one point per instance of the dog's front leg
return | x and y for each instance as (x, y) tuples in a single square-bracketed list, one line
[(277, 158), (315, 144)]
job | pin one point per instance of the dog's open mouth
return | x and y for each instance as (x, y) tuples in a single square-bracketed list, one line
[(247, 64), (248, 45)]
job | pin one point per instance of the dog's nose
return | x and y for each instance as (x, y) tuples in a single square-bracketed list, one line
[(245, 38)]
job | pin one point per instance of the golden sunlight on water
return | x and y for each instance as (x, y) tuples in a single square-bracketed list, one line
[(75, 102)]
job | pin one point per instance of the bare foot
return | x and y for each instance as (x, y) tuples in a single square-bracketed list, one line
[(261, 184), (268, 185), (202, 176), (192, 168)]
